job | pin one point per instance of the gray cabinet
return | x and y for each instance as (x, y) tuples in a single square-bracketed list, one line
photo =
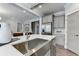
[(59, 21), (59, 29), (73, 32), (60, 39), (47, 19)]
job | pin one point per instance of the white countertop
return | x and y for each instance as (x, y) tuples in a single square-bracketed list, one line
[(9, 50)]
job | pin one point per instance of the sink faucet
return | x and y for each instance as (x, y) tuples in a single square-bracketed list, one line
[(27, 35), (27, 44)]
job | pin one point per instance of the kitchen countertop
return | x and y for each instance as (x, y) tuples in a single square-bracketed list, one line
[(9, 50)]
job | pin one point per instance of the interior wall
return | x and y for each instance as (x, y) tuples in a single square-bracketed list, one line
[(71, 8), (13, 25), (29, 22)]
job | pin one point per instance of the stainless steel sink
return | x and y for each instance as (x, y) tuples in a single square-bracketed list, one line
[(29, 45), (35, 43)]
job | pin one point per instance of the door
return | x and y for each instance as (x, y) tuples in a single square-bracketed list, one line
[(73, 32), (35, 27)]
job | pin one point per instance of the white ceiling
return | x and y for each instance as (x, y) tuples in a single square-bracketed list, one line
[(46, 7), (49, 8), (28, 5), (9, 11), (14, 12)]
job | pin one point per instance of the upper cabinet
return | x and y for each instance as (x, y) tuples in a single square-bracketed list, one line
[(47, 19), (59, 21)]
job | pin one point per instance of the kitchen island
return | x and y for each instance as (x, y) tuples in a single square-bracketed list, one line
[(11, 48)]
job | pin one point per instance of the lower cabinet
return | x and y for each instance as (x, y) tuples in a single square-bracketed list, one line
[(42, 51), (60, 39), (47, 50)]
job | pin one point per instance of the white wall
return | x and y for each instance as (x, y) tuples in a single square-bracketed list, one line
[(71, 8), (29, 22), (13, 25)]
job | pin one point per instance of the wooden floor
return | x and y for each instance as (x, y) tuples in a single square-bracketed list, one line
[(63, 52)]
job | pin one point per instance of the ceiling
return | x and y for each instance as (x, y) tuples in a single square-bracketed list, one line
[(20, 11), (46, 7), (9, 11), (28, 5)]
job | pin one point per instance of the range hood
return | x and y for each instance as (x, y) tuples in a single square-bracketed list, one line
[(5, 33)]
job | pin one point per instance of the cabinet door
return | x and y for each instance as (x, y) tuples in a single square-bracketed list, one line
[(59, 21), (47, 19), (73, 32)]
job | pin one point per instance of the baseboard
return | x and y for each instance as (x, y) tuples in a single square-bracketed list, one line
[(72, 52)]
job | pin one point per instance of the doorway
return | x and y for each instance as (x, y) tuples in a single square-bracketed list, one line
[(35, 27)]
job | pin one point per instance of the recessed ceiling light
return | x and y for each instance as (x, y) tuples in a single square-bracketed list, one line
[(24, 11), (0, 18), (40, 6)]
